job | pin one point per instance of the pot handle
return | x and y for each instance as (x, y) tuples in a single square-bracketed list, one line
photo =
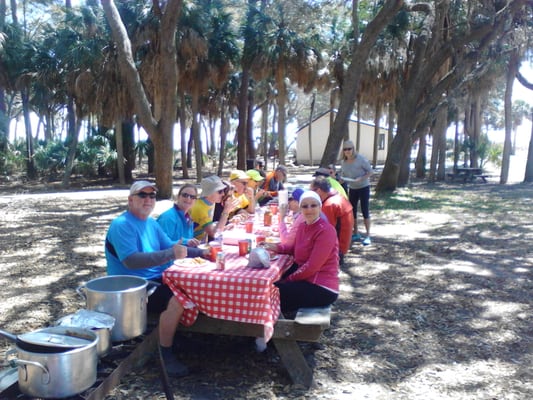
[(152, 287), (23, 363), (80, 291)]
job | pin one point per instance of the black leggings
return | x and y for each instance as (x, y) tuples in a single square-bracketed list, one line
[(297, 294), (360, 195)]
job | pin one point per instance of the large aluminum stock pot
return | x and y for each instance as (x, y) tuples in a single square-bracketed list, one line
[(124, 297), (62, 374)]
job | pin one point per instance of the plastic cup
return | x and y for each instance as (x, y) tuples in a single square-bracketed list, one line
[(259, 239), (283, 197), (249, 226), (215, 248), (243, 247)]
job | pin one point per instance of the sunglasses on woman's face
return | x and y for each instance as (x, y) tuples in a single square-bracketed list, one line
[(144, 195), (189, 196), (306, 206), (347, 149)]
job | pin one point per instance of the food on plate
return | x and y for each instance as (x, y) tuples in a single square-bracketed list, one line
[(190, 262)]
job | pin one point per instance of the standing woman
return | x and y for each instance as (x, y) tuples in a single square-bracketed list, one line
[(355, 171), (176, 221)]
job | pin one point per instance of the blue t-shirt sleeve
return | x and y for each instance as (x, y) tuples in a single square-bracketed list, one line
[(120, 236)]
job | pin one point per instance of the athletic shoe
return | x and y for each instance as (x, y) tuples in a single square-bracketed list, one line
[(175, 368), (356, 237), (367, 241)]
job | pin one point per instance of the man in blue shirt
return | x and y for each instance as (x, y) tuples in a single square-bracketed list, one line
[(136, 245)]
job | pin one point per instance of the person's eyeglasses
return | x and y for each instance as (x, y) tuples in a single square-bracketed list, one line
[(144, 195), (243, 182), (306, 206), (347, 148), (189, 196)]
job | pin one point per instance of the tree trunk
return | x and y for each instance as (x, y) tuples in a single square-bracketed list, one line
[(72, 140), (508, 104), (128, 144), (120, 151), (31, 172), (421, 159), (195, 133), (528, 177), (183, 136), (282, 114), (250, 139), (264, 131), (377, 117), (243, 113), (310, 130), (224, 129)]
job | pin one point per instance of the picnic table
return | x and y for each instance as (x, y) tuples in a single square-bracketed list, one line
[(465, 174), (243, 301)]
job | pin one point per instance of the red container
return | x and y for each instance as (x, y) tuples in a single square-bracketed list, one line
[(215, 248), (259, 239), (243, 247), (249, 226), (267, 219)]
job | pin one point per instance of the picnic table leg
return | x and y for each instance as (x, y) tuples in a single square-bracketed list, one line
[(294, 361), (164, 376)]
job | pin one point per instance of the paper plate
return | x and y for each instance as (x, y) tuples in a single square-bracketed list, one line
[(191, 262)]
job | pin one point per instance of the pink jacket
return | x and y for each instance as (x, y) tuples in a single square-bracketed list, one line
[(316, 252)]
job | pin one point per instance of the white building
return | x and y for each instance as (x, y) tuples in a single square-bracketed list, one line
[(319, 136)]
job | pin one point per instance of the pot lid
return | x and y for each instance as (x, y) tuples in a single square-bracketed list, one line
[(59, 340)]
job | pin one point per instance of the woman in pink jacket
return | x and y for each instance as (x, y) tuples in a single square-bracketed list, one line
[(313, 279)]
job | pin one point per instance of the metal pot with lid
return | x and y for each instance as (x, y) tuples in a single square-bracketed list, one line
[(55, 362), (50, 340), (125, 297)]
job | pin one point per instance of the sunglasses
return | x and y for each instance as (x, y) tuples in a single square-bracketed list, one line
[(347, 148), (144, 195), (221, 191), (189, 196), (306, 206)]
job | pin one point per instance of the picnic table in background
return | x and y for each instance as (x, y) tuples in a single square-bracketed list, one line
[(465, 174)]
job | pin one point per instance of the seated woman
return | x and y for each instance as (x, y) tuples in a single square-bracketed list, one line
[(176, 221), (313, 279)]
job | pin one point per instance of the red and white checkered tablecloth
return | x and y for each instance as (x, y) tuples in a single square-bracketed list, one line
[(238, 293)]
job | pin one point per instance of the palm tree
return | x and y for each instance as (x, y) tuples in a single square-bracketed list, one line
[(157, 116), (206, 53)]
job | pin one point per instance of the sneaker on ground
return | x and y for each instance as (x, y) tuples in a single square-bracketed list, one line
[(356, 237), (367, 241), (175, 368)]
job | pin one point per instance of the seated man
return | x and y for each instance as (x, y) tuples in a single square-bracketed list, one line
[(273, 184), (136, 245)]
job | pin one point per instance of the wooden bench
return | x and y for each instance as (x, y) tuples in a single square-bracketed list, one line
[(307, 326)]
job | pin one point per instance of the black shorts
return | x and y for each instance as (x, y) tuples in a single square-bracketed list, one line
[(158, 301)]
